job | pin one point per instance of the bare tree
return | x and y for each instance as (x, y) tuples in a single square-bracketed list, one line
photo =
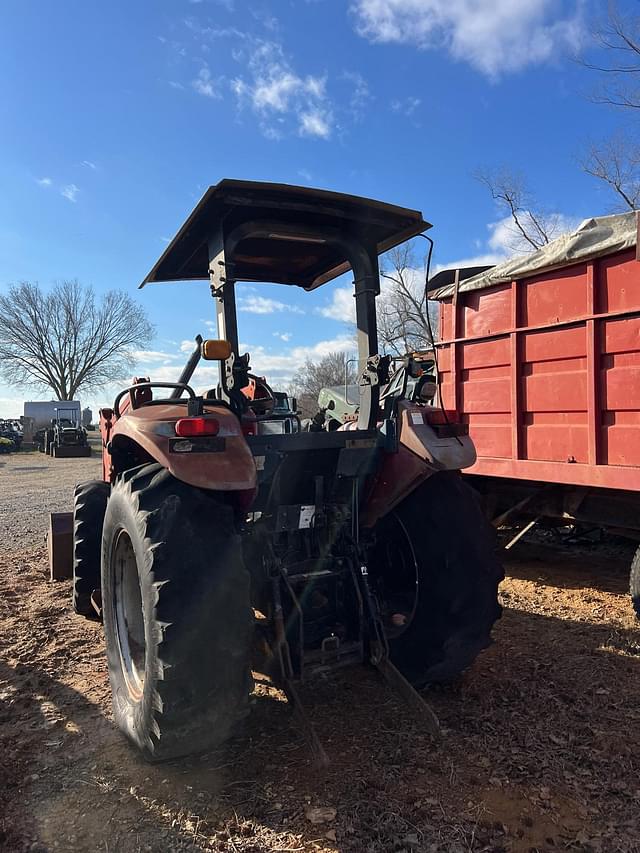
[(618, 38), (332, 369), (616, 162), (531, 228), (65, 339), (403, 324)]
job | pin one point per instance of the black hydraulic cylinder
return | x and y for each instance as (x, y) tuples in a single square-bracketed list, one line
[(188, 369)]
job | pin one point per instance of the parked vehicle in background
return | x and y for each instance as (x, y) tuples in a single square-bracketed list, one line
[(11, 431), (541, 358), (40, 414), (339, 404), (65, 437), (7, 445)]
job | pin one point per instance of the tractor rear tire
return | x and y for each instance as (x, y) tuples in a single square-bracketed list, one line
[(634, 583), (177, 616), (89, 506), (439, 539)]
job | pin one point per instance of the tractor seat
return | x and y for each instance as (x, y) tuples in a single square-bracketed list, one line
[(140, 396)]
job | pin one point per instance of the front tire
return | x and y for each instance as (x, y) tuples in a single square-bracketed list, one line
[(177, 616), (436, 575), (89, 506)]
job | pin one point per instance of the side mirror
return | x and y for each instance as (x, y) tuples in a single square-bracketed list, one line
[(293, 404), (215, 350)]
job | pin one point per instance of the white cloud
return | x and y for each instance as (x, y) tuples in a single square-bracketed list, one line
[(44, 182), (155, 356), (281, 367), (360, 94), (204, 84), (171, 372), (88, 164), (488, 259), (284, 336), (215, 32), (494, 36), (505, 241), (406, 106), (12, 407), (342, 306), (175, 85), (275, 90), (315, 123), (265, 305), (70, 192)]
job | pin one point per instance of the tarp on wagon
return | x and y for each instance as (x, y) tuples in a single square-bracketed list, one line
[(593, 238)]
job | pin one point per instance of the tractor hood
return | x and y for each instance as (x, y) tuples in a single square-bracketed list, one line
[(263, 254)]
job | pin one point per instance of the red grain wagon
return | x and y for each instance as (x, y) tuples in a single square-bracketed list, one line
[(541, 357)]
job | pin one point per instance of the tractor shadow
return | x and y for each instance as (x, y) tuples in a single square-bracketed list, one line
[(602, 567), (526, 714), (45, 726), (552, 705)]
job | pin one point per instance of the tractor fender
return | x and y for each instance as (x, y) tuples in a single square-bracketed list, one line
[(222, 464), (445, 454), (420, 454)]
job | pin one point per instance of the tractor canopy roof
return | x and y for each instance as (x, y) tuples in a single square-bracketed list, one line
[(263, 254)]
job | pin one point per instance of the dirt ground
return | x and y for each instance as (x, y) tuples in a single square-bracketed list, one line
[(540, 747)]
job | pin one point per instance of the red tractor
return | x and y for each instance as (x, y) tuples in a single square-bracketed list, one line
[(220, 542)]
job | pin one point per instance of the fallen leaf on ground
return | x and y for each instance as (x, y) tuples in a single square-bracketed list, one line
[(320, 814)]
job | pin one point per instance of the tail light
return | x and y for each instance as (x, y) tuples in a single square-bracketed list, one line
[(435, 417), (446, 424), (192, 427)]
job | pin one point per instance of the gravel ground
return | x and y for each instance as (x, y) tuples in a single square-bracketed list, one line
[(539, 752), (32, 485)]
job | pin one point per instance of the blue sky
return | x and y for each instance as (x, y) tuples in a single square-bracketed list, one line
[(117, 116)]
